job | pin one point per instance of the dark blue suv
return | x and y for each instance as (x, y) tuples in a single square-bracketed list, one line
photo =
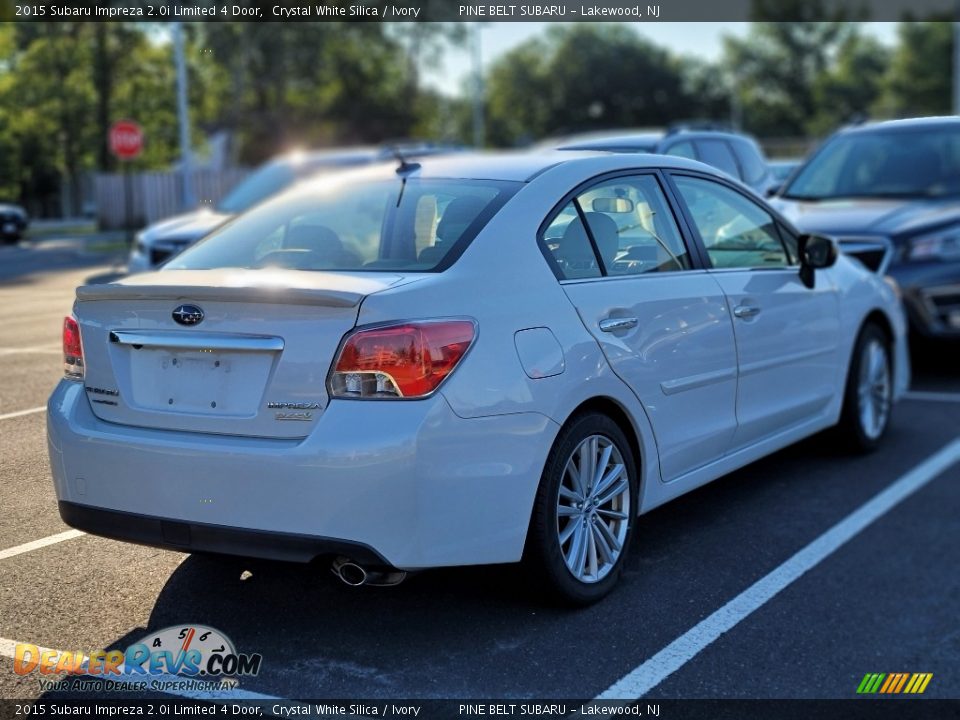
[(890, 193)]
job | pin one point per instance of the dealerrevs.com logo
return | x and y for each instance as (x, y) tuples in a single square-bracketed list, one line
[(178, 657)]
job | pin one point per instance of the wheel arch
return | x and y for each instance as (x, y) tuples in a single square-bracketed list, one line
[(879, 318), (613, 409)]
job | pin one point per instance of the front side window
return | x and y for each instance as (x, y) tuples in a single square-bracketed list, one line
[(631, 231), (367, 223), (736, 232)]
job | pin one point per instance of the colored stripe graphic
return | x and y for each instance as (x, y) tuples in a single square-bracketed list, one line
[(891, 679), (894, 683)]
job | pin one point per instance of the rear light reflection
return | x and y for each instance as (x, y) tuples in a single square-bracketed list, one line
[(72, 350), (400, 361)]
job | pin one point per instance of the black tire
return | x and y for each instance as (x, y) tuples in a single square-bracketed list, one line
[(544, 552), (852, 432)]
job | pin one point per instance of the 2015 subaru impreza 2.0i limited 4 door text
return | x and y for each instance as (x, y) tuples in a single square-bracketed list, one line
[(476, 359)]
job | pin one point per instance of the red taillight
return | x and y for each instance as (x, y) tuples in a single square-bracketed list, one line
[(72, 350), (408, 360)]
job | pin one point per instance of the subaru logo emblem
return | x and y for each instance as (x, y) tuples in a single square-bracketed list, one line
[(188, 315)]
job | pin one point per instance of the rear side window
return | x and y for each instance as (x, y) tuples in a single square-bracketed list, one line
[(367, 223), (718, 154), (633, 226), (629, 230), (751, 161)]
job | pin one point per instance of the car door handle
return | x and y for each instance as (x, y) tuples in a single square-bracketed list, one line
[(620, 323), (746, 311)]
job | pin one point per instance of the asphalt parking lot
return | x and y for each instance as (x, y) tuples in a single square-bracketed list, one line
[(886, 600)]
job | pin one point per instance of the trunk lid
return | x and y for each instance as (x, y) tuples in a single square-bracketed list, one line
[(256, 364)]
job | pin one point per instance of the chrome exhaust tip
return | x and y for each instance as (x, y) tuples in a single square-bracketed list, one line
[(355, 575), (349, 572)]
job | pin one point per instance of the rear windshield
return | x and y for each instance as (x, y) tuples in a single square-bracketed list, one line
[(389, 224)]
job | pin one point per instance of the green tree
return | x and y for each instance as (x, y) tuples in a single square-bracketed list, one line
[(918, 82), (850, 87), (583, 77), (776, 68), (285, 84)]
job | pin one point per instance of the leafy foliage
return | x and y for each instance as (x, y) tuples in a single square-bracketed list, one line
[(586, 76), (277, 85)]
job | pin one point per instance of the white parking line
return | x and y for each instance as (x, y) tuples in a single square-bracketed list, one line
[(41, 543), (658, 668), (8, 649), (933, 396), (21, 413)]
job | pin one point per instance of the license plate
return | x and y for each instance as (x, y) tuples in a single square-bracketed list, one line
[(202, 382)]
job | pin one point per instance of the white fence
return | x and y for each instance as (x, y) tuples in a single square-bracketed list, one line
[(157, 195)]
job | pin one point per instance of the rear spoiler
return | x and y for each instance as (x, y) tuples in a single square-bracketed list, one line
[(177, 293)]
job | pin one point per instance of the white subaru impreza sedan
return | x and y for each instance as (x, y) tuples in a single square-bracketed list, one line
[(476, 359)]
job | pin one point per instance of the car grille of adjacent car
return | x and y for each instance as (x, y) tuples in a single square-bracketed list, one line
[(163, 251), (944, 303), (874, 252)]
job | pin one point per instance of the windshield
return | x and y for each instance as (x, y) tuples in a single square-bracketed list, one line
[(364, 224), (267, 181), (921, 163)]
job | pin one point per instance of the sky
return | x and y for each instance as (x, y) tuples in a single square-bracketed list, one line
[(702, 39)]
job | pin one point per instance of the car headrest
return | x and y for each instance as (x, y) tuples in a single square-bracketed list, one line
[(645, 215), (457, 217), (606, 233), (574, 247)]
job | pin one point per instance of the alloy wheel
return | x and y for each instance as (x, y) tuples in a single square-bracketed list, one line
[(593, 509), (873, 390)]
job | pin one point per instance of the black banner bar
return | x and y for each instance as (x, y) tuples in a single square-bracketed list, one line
[(854, 709), (651, 11)]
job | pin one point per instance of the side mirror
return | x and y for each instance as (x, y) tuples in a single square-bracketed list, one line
[(773, 190), (816, 252)]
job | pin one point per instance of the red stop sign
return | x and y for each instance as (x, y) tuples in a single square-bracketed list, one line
[(126, 139)]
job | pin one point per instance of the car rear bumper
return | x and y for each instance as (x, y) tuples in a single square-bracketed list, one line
[(403, 484), (202, 537)]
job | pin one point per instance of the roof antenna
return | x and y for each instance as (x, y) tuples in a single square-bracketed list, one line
[(404, 167)]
